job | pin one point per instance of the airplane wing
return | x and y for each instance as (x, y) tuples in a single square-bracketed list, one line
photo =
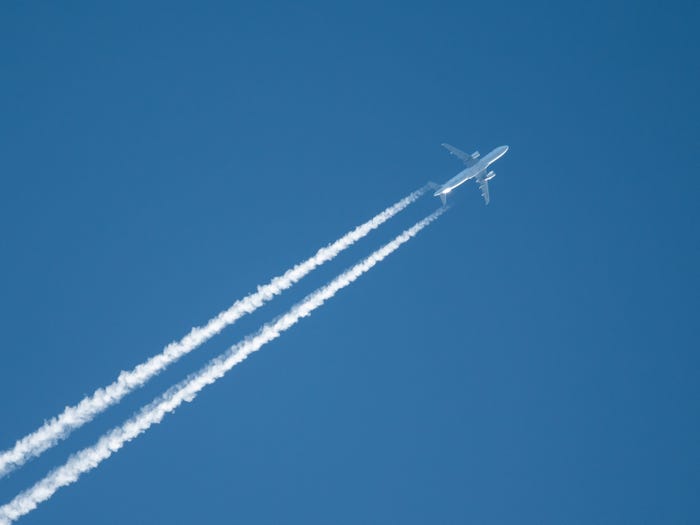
[(484, 187), (468, 160)]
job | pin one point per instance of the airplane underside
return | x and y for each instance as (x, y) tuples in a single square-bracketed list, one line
[(476, 168)]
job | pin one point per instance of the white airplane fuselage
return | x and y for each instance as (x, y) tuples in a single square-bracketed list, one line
[(471, 172)]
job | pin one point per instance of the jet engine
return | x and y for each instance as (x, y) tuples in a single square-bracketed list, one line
[(490, 175)]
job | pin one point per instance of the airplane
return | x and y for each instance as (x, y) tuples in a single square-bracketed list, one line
[(476, 168)]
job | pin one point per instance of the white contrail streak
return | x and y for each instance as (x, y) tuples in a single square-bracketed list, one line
[(75, 416), (187, 390)]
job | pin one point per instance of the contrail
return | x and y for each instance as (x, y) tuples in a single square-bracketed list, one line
[(75, 416), (187, 390)]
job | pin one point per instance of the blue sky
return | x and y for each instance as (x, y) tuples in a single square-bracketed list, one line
[(533, 361)]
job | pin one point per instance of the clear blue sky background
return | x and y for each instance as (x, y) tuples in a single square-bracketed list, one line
[(533, 361)]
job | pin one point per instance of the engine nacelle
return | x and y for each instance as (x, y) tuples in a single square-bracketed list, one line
[(490, 175)]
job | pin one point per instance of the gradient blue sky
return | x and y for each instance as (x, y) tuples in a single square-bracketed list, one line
[(533, 361)]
